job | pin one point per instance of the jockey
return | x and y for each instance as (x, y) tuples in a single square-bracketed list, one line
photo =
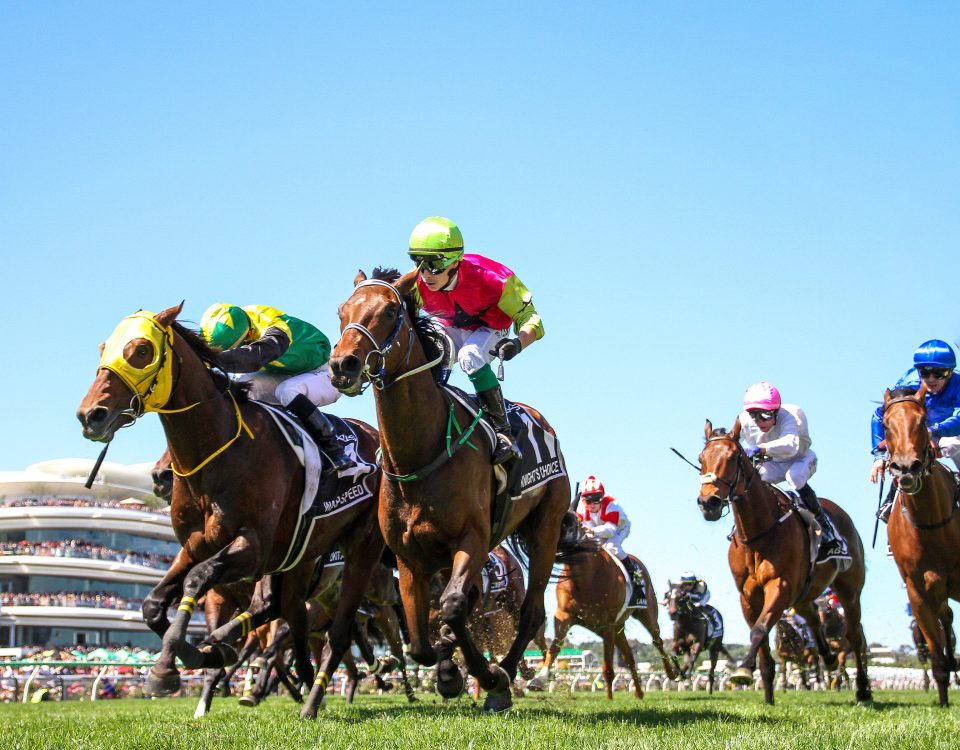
[(603, 519), (934, 363), (284, 359), (695, 587), (800, 624), (475, 300), (777, 434)]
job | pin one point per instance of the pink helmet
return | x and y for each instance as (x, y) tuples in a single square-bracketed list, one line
[(761, 395)]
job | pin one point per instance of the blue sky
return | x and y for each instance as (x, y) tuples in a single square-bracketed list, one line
[(698, 195)]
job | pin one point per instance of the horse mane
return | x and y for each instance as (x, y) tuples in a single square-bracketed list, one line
[(907, 391), (211, 358), (718, 432), (432, 339)]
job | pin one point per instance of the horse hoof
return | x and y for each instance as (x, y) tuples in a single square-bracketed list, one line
[(160, 686), (535, 684), (503, 680), (226, 656), (497, 702), (248, 699), (742, 676), (450, 683)]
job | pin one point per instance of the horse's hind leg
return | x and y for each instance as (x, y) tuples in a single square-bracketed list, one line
[(624, 646), (608, 657), (211, 678), (561, 626), (648, 618)]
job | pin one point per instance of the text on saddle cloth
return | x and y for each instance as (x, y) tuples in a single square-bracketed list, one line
[(495, 576), (541, 459), (630, 602), (714, 622), (323, 495)]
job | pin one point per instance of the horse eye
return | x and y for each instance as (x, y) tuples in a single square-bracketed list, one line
[(142, 350), (391, 312)]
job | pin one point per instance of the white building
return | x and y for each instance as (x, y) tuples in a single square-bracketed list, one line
[(76, 563)]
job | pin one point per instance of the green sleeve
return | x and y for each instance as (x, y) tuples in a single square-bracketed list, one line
[(517, 302)]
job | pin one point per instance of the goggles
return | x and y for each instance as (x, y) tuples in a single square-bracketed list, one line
[(762, 415), (593, 499), (933, 372), (433, 264)]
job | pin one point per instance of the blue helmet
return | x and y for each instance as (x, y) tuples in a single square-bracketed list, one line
[(935, 353)]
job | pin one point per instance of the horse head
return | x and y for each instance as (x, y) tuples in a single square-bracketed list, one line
[(162, 475), (724, 475), (908, 440), (135, 374), (376, 329)]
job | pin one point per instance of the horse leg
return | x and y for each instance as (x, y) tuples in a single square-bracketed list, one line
[(775, 597), (362, 550), (608, 657), (767, 667), (264, 606), (283, 675), (714, 652), (164, 677), (415, 597), (561, 626), (391, 630), (251, 645), (850, 598), (624, 646)]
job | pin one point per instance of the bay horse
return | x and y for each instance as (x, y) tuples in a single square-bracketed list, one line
[(924, 530), (834, 624), (691, 632), (792, 647), (437, 497), (236, 507), (769, 557), (591, 593)]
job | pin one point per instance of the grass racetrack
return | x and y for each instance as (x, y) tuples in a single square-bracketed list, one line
[(805, 721)]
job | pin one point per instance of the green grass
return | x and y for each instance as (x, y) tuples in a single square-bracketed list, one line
[(805, 721)]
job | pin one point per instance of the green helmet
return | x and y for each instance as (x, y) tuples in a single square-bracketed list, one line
[(437, 239), (224, 326)]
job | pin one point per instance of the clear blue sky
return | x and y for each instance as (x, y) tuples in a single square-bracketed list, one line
[(698, 195)]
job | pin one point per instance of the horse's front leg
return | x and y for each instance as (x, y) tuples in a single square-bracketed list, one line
[(456, 602), (232, 563), (158, 601), (562, 623), (928, 618), (772, 599)]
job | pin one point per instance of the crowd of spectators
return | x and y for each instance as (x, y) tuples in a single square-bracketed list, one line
[(78, 502), (75, 548), (103, 599)]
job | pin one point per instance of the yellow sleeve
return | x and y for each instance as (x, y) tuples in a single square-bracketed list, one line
[(517, 302)]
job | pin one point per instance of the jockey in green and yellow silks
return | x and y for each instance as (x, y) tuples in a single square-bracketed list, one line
[(475, 300), (284, 359)]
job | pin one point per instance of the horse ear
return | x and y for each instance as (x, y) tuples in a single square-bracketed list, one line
[(886, 396), (735, 432), (921, 392), (406, 283), (169, 315), (707, 428), (360, 277)]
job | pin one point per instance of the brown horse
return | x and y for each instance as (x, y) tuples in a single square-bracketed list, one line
[(236, 497), (769, 557), (592, 593), (923, 651), (834, 625), (692, 634), (437, 499), (792, 648), (924, 528)]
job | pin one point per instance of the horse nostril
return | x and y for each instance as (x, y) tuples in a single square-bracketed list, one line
[(94, 418), (348, 366), (916, 467)]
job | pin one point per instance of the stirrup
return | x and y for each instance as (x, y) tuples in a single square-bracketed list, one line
[(885, 510), (507, 450)]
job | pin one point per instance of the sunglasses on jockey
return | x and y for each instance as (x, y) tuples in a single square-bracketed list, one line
[(762, 415), (433, 264), (593, 499), (934, 372)]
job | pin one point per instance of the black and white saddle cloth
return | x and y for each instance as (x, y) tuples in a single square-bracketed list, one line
[(714, 622), (495, 576), (323, 495), (541, 459)]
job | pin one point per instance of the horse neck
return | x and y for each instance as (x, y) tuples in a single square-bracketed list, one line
[(412, 417), (756, 510), (194, 434), (934, 502)]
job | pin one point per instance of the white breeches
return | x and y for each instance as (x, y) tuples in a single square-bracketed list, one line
[(473, 347), (274, 387), (950, 448), (795, 472), (614, 545)]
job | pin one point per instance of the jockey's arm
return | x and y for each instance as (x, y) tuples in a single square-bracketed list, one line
[(786, 446), (253, 356), (604, 530), (517, 302)]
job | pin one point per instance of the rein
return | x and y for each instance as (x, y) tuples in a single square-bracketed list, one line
[(928, 456)]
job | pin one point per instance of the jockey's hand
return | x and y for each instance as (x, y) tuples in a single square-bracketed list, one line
[(878, 469), (753, 451), (507, 349)]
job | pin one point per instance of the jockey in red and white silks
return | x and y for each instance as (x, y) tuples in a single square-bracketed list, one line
[(609, 523)]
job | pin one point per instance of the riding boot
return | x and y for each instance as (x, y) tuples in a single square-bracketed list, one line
[(636, 579), (884, 513), (492, 402), (832, 545), (321, 429)]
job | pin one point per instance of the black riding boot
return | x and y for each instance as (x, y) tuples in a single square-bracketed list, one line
[(320, 428), (832, 544), (636, 579), (492, 402), (884, 513)]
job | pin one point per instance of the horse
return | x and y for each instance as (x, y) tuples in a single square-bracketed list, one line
[(770, 559), (592, 593), (437, 497), (923, 530), (692, 632), (834, 625), (792, 647), (236, 497)]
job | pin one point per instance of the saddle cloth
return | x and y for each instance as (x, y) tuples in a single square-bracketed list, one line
[(495, 576), (322, 496), (628, 594), (814, 531), (714, 622)]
